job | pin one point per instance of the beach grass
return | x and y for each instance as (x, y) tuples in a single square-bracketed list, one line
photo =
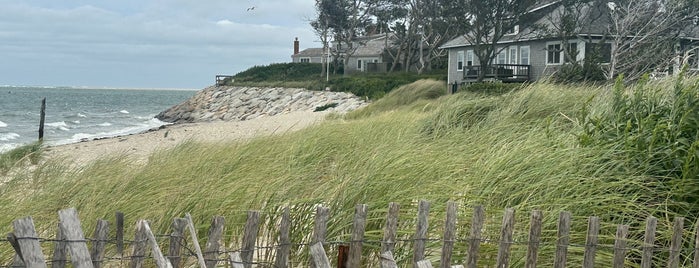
[(518, 150), (26, 154)]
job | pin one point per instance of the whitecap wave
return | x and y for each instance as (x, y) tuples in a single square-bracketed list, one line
[(59, 125), (8, 146), (124, 112), (139, 128), (3, 124), (76, 122), (81, 115), (9, 136), (105, 124)]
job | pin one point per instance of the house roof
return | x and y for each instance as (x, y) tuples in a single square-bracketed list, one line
[(373, 45), (310, 52)]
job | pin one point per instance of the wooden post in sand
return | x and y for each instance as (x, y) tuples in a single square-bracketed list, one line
[(41, 121)]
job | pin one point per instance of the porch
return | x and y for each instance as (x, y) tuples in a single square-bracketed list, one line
[(508, 73)]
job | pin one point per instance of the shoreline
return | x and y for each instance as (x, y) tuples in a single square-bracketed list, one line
[(140, 146)]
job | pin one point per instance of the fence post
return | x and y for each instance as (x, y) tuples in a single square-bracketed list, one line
[(648, 243), (423, 212), (119, 216), (318, 256), (676, 244), (99, 241), (320, 227), (70, 225), (508, 224), (449, 235), (28, 241), (563, 240), (534, 239), (387, 260), (160, 260), (250, 237), (475, 236), (359, 225), (139, 247), (195, 241), (176, 241), (389, 234), (593, 226), (282, 259), (59, 250), (620, 245), (17, 259), (235, 260), (213, 244)]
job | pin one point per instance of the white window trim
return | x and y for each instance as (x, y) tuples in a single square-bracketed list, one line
[(360, 64), (503, 53), (515, 30), (561, 56), (513, 58), (470, 57), (460, 59), (308, 59), (529, 55)]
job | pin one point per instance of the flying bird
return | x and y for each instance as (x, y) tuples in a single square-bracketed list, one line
[(251, 8)]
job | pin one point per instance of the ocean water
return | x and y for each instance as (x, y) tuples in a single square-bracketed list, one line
[(78, 114)]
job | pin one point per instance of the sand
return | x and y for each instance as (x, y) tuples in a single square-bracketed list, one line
[(140, 146)]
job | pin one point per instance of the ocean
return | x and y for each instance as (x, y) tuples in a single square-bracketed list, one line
[(78, 114)]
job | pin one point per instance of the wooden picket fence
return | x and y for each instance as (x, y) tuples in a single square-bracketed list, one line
[(70, 246)]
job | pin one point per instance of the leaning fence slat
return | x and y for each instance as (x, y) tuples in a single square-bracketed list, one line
[(17, 259), (282, 258), (676, 243), (59, 250), (250, 237), (119, 232), (593, 227), (176, 241), (449, 235), (160, 260), (138, 254), (563, 240), (620, 245), (319, 257), (195, 241), (387, 260), (358, 227), (506, 233), (475, 236), (421, 231), (235, 260), (389, 234), (648, 243), (696, 245), (534, 239), (99, 241), (28, 241), (320, 227), (424, 264), (73, 232), (213, 244)]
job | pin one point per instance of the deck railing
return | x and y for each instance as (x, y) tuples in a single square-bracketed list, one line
[(502, 72)]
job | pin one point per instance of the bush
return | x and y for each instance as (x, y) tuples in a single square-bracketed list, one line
[(373, 86), (280, 72), (588, 72)]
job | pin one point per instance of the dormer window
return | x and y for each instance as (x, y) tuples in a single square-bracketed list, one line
[(514, 30)]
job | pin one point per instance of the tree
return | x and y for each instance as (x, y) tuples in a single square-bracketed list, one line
[(489, 21), (644, 33)]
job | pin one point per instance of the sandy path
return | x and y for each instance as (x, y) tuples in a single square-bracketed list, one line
[(140, 146)]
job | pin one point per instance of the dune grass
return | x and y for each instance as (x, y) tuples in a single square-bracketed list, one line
[(520, 150), (27, 154)]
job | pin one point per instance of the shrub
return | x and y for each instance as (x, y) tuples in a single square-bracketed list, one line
[(280, 72)]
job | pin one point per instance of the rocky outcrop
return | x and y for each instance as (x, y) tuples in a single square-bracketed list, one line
[(245, 103)]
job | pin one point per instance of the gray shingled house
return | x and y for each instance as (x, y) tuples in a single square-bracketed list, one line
[(369, 54), (529, 52)]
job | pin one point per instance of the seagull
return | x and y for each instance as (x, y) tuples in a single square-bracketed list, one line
[(251, 8)]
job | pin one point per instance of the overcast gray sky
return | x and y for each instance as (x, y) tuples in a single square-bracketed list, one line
[(145, 43)]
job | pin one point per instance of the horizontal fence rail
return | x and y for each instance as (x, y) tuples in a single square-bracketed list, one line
[(474, 240)]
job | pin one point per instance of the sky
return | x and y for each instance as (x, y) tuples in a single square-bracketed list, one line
[(145, 43)]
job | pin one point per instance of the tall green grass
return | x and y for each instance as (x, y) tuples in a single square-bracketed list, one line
[(27, 154), (519, 150)]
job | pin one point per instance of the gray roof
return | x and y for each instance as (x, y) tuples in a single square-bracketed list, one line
[(373, 45), (310, 52)]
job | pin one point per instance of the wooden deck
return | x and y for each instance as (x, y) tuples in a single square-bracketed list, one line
[(508, 73)]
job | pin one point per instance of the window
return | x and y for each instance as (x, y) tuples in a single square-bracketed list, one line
[(501, 57), (513, 55), (376, 61), (460, 61), (553, 53), (513, 31), (524, 55), (469, 57), (306, 60), (359, 64), (572, 52)]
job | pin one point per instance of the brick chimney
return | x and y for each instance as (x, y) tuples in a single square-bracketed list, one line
[(296, 46)]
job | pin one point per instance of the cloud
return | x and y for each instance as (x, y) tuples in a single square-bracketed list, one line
[(112, 40)]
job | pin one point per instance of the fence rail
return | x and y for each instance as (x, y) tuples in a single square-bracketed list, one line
[(474, 250)]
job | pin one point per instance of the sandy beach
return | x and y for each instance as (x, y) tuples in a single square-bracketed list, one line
[(140, 146)]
